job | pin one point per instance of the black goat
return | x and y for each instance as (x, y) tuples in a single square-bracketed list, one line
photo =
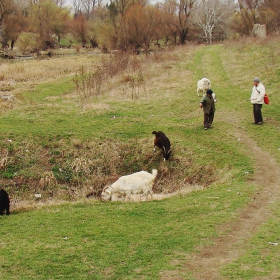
[(162, 142), (4, 202)]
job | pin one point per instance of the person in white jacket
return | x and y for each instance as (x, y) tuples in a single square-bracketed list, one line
[(257, 99)]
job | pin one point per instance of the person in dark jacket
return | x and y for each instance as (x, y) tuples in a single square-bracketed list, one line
[(208, 104)]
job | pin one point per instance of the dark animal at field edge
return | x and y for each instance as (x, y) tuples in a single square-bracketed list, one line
[(4, 202), (161, 141)]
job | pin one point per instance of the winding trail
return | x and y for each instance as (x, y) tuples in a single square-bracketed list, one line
[(233, 236), (207, 263)]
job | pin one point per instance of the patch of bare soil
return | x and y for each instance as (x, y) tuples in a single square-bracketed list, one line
[(231, 243), (161, 196)]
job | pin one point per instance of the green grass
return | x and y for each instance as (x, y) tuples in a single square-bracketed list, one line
[(93, 240), (113, 240), (261, 258)]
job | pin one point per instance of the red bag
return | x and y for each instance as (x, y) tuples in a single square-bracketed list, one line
[(266, 99)]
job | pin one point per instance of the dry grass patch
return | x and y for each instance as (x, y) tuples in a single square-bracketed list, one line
[(251, 58), (38, 70), (77, 169), (117, 76), (21, 75)]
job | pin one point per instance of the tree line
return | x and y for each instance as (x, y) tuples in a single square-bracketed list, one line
[(35, 25)]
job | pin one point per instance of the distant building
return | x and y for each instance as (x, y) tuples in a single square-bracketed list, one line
[(259, 30)]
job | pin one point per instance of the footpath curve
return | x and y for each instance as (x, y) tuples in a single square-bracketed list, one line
[(233, 236), (228, 247)]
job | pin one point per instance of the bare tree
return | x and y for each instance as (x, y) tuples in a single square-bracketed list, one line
[(6, 10), (169, 9), (60, 3), (13, 26), (140, 25), (85, 7), (185, 9), (123, 5), (77, 7), (88, 7), (177, 18), (248, 10), (211, 15), (270, 15), (48, 19), (80, 29)]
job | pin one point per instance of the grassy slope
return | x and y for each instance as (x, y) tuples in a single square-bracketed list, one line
[(130, 241), (261, 260), (99, 241)]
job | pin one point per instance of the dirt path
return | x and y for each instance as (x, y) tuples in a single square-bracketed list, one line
[(233, 236), (207, 263)]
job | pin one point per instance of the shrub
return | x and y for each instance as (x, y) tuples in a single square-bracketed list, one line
[(28, 43)]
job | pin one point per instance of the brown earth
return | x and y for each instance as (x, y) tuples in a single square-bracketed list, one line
[(233, 235)]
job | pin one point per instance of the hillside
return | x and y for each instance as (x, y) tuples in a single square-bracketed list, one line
[(65, 140)]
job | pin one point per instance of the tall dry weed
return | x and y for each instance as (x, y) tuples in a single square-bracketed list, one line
[(82, 166), (6, 105), (47, 180), (4, 162), (135, 84), (21, 75), (94, 82), (87, 166)]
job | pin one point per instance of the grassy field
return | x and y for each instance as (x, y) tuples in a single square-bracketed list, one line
[(74, 122)]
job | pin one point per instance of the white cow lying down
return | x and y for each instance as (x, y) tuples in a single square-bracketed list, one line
[(203, 85), (136, 183)]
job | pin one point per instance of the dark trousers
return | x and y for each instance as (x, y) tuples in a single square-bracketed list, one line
[(257, 111), (208, 119)]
